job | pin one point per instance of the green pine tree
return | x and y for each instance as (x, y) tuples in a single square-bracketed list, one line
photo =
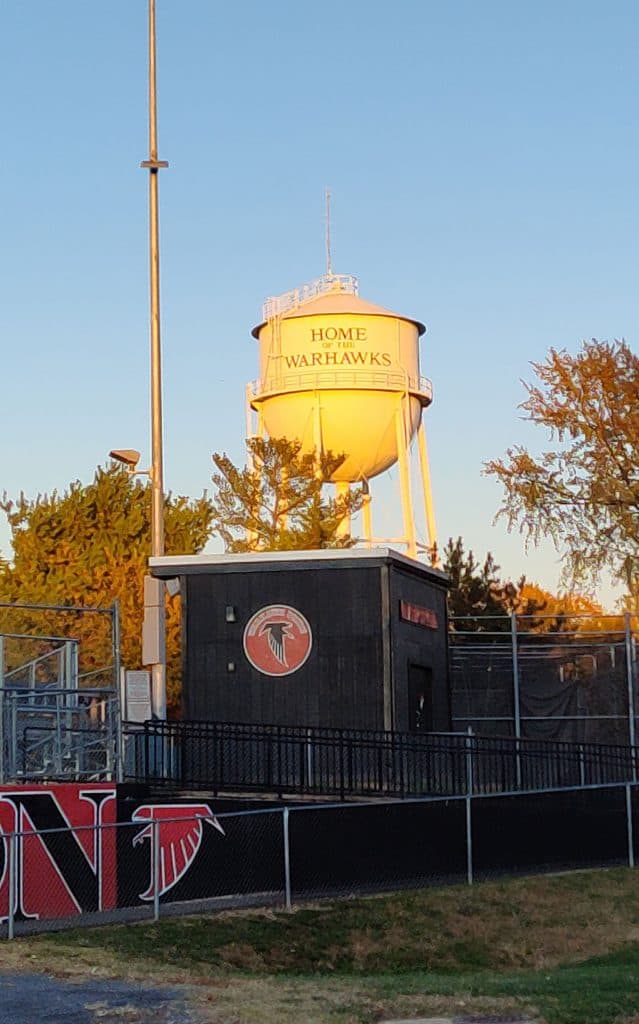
[(278, 501), (477, 590)]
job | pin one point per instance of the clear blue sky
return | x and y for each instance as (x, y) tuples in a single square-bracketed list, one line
[(483, 162)]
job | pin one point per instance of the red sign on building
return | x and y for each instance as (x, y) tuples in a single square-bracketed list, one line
[(417, 615)]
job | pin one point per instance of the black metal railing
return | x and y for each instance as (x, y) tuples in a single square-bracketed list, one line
[(343, 763)]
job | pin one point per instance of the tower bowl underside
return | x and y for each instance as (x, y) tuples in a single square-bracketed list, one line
[(365, 425)]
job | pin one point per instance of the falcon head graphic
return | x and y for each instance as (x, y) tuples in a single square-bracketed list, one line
[(277, 634), (180, 833)]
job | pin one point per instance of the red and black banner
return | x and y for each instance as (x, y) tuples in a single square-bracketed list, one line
[(81, 849)]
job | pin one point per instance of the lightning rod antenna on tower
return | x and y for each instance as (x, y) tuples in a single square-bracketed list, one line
[(327, 218)]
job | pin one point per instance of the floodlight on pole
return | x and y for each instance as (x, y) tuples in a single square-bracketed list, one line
[(128, 457)]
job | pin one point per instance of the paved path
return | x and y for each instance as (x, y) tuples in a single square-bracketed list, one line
[(27, 998)]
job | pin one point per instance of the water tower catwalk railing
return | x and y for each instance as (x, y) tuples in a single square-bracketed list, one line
[(276, 305), (375, 380)]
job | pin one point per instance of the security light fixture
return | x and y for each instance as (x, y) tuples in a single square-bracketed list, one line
[(129, 457)]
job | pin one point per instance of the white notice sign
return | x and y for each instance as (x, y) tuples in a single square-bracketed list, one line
[(137, 696)]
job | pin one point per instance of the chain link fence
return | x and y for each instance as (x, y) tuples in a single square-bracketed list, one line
[(571, 678), (176, 859)]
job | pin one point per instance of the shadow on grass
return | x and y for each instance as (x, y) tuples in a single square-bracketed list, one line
[(602, 990)]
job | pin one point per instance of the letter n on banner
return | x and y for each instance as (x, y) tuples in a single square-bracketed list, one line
[(65, 865)]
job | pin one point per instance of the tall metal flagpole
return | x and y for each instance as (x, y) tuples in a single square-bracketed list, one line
[(154, 593)]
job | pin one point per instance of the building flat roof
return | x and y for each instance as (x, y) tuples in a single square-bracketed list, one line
[(268, 561)]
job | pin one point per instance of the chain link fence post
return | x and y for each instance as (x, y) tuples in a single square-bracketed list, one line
[(629, 680), (469, 806), (287, 859), (118, 704), (3, 766), (516, 694), (629, 826), (155, 844), (12, 856)]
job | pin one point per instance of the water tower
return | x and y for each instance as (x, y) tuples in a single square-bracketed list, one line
[(341, 374)]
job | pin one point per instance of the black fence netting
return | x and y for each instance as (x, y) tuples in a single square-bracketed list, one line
[(242, 860), (541, 832), (372, 848), (172, 858), (564, 677), (634, 817)]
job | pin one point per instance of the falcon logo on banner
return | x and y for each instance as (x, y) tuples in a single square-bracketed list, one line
[(180, 828), (277, 640)]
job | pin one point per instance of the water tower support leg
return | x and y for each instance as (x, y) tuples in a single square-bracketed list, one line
[(283, 516), (317, 426), (367, 521), (342, 489), (251, 433), (249, 414), (424, 466), (404, 479)]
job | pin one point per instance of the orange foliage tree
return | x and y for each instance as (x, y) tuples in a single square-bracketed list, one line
[(87, 547), (582, 491)]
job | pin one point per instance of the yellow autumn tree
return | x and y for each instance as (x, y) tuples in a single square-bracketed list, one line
[(564, 612), (582, 490), (87, 547)]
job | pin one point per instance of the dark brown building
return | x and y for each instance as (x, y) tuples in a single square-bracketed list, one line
[(342, 639)]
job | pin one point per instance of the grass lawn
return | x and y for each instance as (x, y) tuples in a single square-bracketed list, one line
[(565, 948)]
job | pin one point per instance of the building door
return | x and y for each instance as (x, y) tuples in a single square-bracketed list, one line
[(420, 698)]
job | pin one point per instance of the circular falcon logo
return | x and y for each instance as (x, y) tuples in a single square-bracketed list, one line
[(277, 640)]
